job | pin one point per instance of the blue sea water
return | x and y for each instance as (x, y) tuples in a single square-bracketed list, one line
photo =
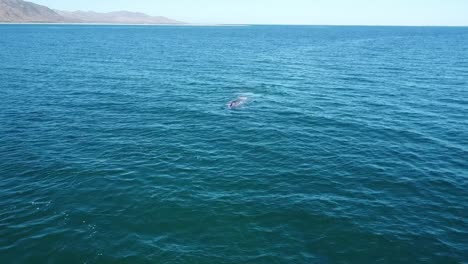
[(117, 145)]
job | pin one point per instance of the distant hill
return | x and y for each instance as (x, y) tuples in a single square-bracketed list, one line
[(19, 11), (120, 17)]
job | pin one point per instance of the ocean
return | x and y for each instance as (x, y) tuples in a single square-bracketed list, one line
[(117, 144)]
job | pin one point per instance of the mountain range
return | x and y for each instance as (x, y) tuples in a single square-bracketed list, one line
[(19, 11)]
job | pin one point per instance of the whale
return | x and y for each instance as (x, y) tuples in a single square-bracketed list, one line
[(237, 103)]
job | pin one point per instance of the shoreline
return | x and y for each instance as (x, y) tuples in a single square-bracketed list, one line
[(219, 25), (121, 24)]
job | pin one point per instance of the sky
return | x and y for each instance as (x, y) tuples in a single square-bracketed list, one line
[(301, 12)]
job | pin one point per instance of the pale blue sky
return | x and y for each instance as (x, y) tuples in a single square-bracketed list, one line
[(315, 12)]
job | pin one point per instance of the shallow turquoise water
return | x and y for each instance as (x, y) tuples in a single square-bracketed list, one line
[(116, 145)]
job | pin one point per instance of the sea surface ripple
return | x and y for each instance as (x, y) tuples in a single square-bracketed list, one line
[(116, 144)]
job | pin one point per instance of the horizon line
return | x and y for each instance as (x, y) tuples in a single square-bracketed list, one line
[(229, 24)]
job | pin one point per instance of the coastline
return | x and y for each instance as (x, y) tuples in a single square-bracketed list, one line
[(225, 25), (121, 24)]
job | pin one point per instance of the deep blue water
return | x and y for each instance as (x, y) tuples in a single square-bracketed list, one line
[(116, 145)]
